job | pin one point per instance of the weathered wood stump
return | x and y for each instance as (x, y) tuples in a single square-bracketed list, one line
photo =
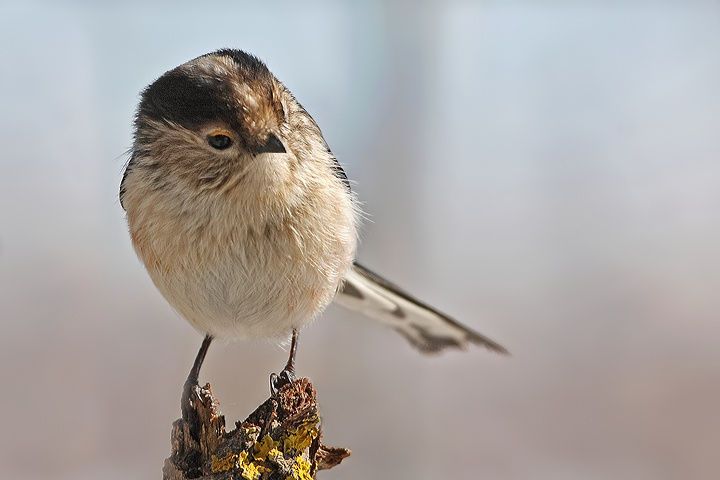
[(280, 440)]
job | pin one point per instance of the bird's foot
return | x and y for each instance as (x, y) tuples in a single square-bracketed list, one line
[(278, 381)]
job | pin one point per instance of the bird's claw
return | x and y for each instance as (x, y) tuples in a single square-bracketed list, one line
[(279, 381)]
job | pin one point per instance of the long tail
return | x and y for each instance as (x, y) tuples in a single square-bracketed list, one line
[(424, 327)]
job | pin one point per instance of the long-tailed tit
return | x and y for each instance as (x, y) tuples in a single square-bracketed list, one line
[(245, 220)]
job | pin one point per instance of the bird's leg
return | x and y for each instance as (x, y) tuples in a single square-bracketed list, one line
[(189, 414), (288, 373), (289, 369)]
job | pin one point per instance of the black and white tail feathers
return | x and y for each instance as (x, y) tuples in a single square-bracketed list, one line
[(424, 327)]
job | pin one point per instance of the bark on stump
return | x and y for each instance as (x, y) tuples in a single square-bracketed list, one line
[(280, 440)]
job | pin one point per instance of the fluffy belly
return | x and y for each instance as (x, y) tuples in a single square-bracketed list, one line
[(232, 301), (248, 263), (248, 283)]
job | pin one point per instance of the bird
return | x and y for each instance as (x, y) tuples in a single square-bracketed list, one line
[(245, 220)]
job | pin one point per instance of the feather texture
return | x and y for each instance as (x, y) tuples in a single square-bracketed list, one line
[(426, 328)]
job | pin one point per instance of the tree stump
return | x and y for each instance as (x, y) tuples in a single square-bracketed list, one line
[(280, 440)]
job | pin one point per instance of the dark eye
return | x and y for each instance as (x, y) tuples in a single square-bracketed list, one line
[(219, 141)]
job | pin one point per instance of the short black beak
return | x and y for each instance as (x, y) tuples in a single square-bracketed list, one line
[(272, 145)]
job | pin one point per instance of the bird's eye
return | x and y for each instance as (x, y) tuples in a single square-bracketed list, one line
[(219, 141)]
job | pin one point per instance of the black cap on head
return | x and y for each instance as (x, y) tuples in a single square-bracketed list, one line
[(190, 97)]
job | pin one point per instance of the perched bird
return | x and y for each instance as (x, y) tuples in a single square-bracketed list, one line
[(245, 220)]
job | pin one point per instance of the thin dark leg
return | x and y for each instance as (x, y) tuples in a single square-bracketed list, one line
[(290, 365), (188, 414), (288, 373)]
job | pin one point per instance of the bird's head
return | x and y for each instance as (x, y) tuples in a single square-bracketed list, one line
[(210, 117)]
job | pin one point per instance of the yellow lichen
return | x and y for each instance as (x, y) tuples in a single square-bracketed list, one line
[(274, 454), (268, 449), (252, 471), (249, 470), (301, 470), (301, 438), (225, 463), (264, 447)]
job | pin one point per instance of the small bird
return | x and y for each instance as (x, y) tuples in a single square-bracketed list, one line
[(245, 220)]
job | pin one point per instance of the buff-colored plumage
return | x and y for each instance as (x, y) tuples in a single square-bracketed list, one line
[(244, 219), (242, 244)]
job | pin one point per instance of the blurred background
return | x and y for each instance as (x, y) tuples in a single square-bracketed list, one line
[(548, 172)]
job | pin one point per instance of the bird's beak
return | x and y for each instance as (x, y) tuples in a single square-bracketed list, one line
[(271, 145)]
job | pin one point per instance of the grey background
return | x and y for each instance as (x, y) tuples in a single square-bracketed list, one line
[(545, 171)]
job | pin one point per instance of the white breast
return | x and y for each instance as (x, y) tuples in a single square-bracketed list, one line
[(246, 264)]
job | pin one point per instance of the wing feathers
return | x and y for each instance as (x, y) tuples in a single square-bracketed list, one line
[(426, 328)]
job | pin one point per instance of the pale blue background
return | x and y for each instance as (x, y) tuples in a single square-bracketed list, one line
[(548, 172)]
